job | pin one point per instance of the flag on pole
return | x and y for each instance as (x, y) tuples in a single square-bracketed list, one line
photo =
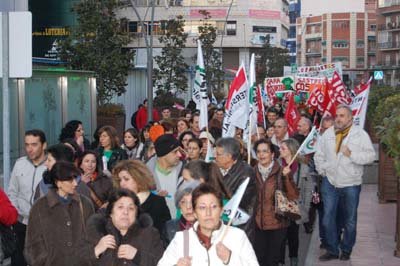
[(236, 108), (231, 208), (200, 96), (338, 91), (210, 157), (260, 108), (292, 115), (360, 103), (251, 126), (309, 144)]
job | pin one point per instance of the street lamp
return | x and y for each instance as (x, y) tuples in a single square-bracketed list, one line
[(149, 49)]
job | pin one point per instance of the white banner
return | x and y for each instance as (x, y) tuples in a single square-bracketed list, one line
[(359, 106)]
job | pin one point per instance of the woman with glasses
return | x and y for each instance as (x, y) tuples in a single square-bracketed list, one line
[(209, 241), (56, 229), (73, 131)]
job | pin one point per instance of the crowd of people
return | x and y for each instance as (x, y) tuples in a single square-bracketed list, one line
[(154, 199)]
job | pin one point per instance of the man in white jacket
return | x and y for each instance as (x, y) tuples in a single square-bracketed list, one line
[(341, 154), (25, 177)]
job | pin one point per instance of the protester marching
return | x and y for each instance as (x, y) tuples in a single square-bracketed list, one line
[(229, 185)]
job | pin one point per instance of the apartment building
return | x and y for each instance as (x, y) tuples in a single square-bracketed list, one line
[(388, 33), (242, 25), (348, 38)]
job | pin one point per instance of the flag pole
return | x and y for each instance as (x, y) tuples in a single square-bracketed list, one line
[(249, 143)]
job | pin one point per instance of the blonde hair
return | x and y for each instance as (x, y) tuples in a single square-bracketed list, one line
[(137, 170)]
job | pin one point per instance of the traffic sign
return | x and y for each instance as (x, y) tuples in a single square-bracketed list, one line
[(378, 75)]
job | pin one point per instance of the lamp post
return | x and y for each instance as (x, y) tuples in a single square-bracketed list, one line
[(149, 50)]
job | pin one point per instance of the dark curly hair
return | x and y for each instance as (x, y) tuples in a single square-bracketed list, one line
[(68, 131)]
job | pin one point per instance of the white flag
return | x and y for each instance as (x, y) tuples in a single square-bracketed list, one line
[(236, 108), (231, 208), (359, 105), (251, 126), (309, 144), (200, 96)]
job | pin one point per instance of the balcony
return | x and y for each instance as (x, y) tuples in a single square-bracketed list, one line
[(313, 52), (393, 63), (390, 26), (393, 45), (388, 3)]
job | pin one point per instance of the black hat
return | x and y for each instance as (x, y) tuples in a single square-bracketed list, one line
[(165, 144)]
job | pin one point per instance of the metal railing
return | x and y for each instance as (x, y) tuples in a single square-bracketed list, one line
[(389, 45)]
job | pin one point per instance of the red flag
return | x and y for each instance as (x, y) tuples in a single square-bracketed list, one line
[(329, 103), (362, 86), (260, 107), (292, 115), (316, 100), (338, 92)]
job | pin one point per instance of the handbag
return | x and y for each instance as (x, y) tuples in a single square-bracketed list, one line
[(8, 240), (283, 206)]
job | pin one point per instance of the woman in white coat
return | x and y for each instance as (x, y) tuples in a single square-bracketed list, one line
[(204, 243)]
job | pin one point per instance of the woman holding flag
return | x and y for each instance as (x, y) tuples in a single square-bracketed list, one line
[(209, 241), (271, 229)]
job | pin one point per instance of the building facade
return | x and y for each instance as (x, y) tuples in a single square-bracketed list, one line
[(242, 25), (348, 38), (388, 33)]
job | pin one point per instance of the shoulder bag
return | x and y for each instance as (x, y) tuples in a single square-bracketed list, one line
[(283, 206)]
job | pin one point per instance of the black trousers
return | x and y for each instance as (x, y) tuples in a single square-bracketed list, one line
[(268, 246), (292, 238), (17, 259)]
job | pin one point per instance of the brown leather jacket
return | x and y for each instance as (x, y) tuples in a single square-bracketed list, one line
[(265, 212)]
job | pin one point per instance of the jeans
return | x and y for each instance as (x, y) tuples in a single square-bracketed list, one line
[(340, 212)]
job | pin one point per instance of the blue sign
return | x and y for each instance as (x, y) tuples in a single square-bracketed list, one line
[(378, 75)]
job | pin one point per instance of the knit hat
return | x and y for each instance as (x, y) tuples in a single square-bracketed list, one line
[(165, 144), (184, 189)]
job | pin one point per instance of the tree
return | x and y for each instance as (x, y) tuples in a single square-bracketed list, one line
[(170, 75), (212, 57), (98, 43), (273, 59)]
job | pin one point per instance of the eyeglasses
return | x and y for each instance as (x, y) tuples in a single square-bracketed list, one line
[(205, 208)]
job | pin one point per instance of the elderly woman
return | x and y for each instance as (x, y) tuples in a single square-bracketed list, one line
[(270, 228), (136, 177), (183, 203), (56, 228), (109, 150), (99, 185), (209, 241), (123, 236)]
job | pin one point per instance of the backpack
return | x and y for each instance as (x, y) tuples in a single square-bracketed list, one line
[(8, 240), (133, 119)]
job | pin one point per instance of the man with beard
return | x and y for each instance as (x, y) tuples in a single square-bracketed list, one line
[(341, 154)]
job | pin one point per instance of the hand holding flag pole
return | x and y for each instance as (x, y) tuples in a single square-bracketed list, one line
[(235, 206)]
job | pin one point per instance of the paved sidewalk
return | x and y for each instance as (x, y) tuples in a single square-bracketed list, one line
[(375, 235)]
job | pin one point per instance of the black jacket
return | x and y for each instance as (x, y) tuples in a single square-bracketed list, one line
[(232, 180), (118, 154), (140, 235)]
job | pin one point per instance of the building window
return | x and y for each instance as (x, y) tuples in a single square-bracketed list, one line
[(360, 43), (340, 24), (372, 27), (340, 44), (133, 26), (343, 60), (231, 28), (360, 61)]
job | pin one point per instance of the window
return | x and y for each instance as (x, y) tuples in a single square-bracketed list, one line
[(340, 44), (360, 61), (372, 27), (360, 43), (132, 26), (231, 28), (340, 24)]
